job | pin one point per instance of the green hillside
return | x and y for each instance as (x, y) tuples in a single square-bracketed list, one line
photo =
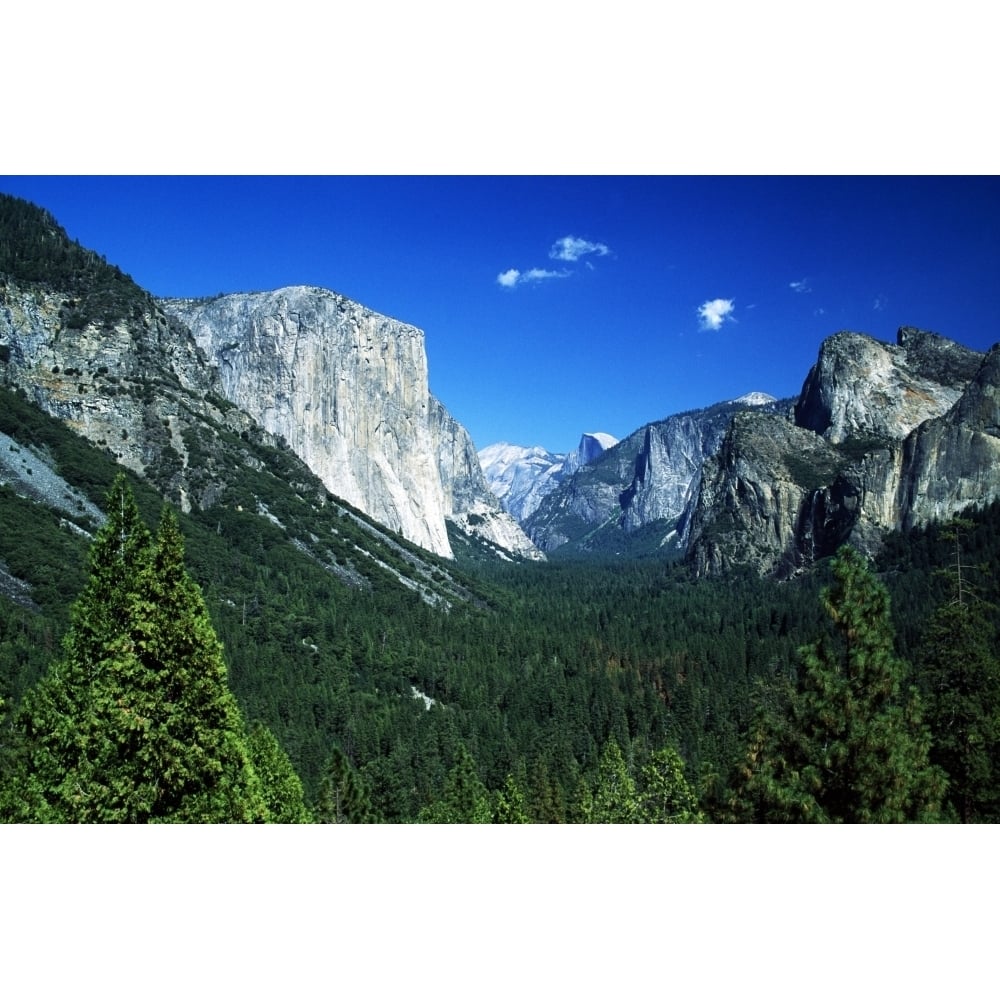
[(406, 687)]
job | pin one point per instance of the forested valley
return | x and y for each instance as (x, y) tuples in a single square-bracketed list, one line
[(275, 655), (573, 691)]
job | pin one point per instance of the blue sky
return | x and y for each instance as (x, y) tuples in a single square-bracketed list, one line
[(557, 305)]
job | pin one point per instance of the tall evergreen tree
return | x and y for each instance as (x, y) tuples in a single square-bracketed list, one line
[(511, 806), (281, 786), (464, 799), (135, 722), (853, 747), (960, 680), (666, 797), (615, 797), (343, 798)]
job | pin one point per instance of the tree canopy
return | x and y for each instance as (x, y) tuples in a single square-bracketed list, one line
[(135, 722), (851, 745)]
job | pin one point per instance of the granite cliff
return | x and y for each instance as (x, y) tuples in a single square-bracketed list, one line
[(159, 382), (347, 389), (883, 437), (634, 495)]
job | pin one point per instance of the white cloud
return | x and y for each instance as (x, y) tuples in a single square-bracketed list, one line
[(573, 248), (715, 312), (512, 276), (880, 303), (568, 248), (800, 286), (538, 274)]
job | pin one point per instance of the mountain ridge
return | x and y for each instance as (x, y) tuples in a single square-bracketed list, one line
[(347, 388), (881, 437), (91, 347), (521, 476)]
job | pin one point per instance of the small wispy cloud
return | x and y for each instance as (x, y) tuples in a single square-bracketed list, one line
[(715, 312), (568, 248), (540, 274), (572, 248), (513, 277), (881, 301), (800, 286)]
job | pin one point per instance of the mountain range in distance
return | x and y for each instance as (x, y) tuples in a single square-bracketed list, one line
[(882, 436)]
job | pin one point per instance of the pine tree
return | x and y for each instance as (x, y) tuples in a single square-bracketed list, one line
[(852, 746), (343, 798), (615, 798), (464, 799), (511, 806), (135, 722), (960, 679), (284, 796), (666, 797)]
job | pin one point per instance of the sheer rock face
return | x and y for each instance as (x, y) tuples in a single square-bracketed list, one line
[(885, 437), (345, 387), (668, 467), (954, 461), (347, 390), (651, 476)]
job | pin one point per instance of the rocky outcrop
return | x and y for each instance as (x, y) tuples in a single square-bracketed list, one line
[(860, 387), (588, 451), (885, 437), (644, 483), (954, 460), (137, 386), (765, 502), (669, 465)]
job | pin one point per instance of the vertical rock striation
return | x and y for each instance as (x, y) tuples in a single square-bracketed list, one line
[(345, 387)]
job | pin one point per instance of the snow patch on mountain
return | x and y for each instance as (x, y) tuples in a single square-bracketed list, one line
[(755, 399), (521, 476)]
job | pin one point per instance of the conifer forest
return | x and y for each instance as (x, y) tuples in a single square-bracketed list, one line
[(198, 668), (207, 664)]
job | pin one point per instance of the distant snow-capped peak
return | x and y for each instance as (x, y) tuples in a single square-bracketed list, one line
[(520, 476), (755, 399)]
